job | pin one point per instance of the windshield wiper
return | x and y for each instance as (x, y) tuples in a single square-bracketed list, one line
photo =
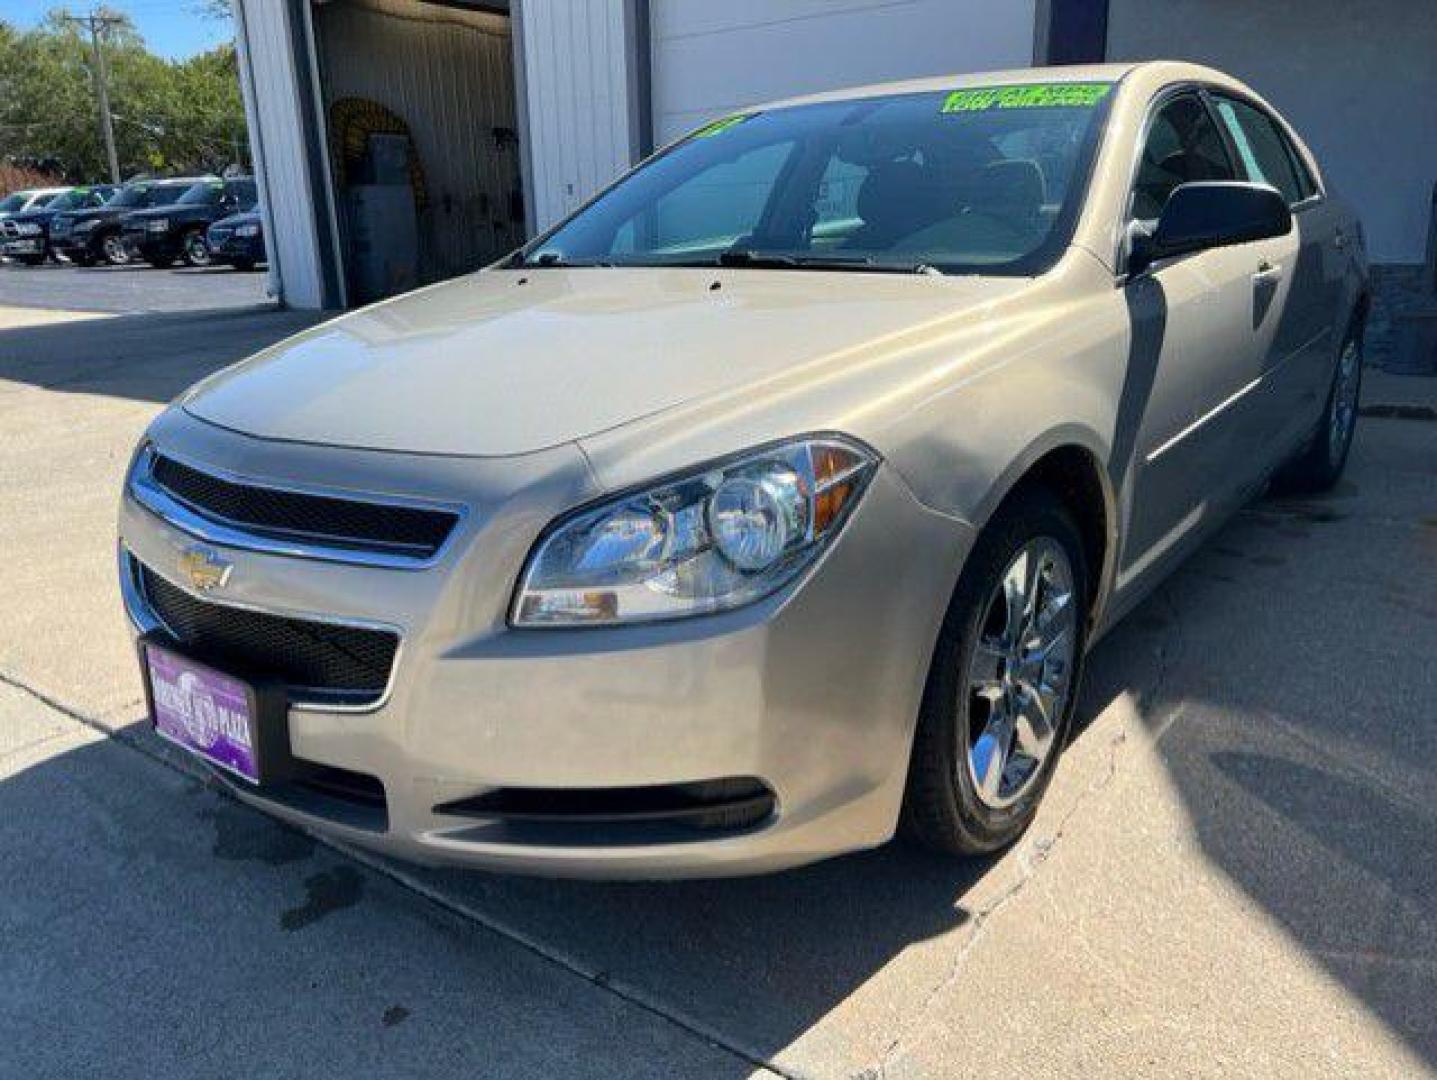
[(778, 260), (555, 258)]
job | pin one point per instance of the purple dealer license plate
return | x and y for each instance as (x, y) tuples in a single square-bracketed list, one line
[(203, 711)]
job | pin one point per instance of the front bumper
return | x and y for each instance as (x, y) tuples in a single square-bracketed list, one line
[(813, 692), (153, 245), (230, 246), (23, 245)]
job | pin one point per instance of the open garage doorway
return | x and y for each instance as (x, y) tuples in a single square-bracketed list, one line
[(418, 100)]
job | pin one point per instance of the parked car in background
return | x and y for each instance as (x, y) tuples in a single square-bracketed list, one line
[(19, 201), (771, 500), (91, 236), (25, 236), (177, 231), (237, 240)]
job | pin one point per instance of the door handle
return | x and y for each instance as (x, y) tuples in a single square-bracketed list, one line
[(1339, 239), (1267, 271)]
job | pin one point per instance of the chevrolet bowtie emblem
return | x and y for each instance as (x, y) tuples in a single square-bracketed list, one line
[(204, 569)]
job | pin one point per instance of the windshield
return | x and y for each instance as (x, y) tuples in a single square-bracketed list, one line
[(984, 180), (14, 202), (205, 193), (46, 200), (242, 193), (71, 200), (138, 195)]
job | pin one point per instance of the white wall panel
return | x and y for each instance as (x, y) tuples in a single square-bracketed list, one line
[(712, 58), (274, 104), (1356, 80), (578, 110)]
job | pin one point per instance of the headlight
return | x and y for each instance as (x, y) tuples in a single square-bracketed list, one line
[(712, 539), (158, 225), (247, 230)]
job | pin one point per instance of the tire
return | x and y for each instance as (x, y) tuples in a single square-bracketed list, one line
[(113, 251), (1324, 455), (30, 260), (195, 251), (946, 807)]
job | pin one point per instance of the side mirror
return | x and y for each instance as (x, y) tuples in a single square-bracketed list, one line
[(1212, 214)]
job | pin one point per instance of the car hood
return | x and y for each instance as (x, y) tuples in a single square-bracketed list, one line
[(234, 221), (172, 211), (94, 213), (507, 362)]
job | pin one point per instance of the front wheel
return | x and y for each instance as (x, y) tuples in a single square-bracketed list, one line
[(30, 260), (1003, 682), (196, 251), (1324, 456), (114, 249)]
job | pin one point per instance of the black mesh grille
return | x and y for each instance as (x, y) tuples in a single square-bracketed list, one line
[(342, 522), (344, 661)]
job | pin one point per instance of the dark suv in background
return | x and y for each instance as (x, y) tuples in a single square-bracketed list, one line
[(238, 240), (25, 236), (87, 237), (166, 233)]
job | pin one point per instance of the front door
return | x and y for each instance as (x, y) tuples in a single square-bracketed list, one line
[(1196, 353)]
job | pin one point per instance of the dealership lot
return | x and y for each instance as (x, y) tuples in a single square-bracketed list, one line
[(120, 289), (1234, 873)]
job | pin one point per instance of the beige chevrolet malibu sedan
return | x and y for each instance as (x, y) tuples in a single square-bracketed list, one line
[(769, 503)]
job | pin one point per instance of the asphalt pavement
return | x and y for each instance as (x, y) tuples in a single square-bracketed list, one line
[(1234, 873), (130, 289)]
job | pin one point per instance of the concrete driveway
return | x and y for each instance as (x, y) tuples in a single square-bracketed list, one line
[(1235, 872)]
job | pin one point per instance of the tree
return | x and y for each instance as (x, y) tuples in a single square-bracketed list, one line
[(169, 116)]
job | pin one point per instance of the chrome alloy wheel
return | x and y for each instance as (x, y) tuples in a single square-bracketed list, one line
[(116, 253), (1020, 676), (1344, 401), (197, 252)]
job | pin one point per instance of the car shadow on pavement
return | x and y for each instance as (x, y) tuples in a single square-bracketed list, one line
[(145, 357), (1286, 672)]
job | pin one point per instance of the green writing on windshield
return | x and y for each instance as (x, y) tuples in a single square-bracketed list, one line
[(718, 127), (1033, 96)]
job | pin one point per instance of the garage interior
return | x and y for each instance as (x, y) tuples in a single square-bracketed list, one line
[(421, 136)]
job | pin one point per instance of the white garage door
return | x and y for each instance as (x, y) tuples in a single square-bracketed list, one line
[(712, 58)]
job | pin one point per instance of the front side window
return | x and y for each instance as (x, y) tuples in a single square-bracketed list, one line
[(1182, 146), (1263, 149), (976, 180)]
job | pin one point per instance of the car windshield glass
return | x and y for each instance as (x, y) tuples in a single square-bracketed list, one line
[(70, 200), (132, 196), (46, 200), (206, 193), (242, 192), (977, 180), (15, 201)]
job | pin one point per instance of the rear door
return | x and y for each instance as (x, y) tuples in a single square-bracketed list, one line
[(1299, 347)]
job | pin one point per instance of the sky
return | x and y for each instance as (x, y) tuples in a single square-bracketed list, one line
[(172, 28)]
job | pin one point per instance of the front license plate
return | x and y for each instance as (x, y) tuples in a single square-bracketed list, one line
[(206, 712)]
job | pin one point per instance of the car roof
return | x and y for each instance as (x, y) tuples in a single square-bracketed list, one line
[(1173, 69)]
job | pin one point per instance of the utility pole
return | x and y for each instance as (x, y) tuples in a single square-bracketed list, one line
[(99, 25)]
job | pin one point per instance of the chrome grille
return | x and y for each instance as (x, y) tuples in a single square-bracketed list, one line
[(320, 662)]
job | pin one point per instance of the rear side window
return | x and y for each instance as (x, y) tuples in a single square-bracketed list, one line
[(1263, 148), (1183, 146)]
